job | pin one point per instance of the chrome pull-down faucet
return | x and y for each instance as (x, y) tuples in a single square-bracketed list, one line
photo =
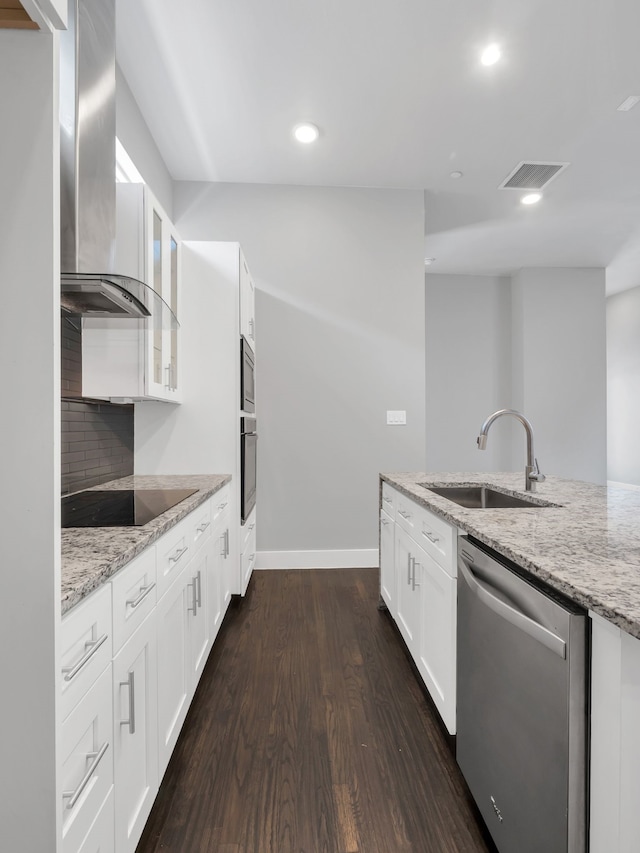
[(532, 473)]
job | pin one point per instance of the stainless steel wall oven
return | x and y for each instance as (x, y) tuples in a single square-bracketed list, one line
[(247, 377), (248, 446)]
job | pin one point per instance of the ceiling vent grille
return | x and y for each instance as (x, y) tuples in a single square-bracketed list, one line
[(532, 175)]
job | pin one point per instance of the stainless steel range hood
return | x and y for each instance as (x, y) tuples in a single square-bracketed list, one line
[(90, 284)]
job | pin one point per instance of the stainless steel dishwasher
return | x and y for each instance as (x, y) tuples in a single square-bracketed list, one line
[(522, 705)]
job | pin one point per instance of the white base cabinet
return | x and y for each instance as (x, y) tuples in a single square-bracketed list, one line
[(135, 734), (133, 653), (418, 554)]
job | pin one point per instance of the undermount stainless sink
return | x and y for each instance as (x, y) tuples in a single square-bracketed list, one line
[(484, 497)]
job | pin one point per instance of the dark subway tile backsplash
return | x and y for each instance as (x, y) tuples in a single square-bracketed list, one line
[(97, 443)]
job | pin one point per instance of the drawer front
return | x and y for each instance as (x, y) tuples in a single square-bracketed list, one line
[(201, 523), (134, 596), (86, 762), (101, 837), (220, 501), (248, 559), (432, 533), (248, 532), (86, 647), (173, 552), (389, 498)]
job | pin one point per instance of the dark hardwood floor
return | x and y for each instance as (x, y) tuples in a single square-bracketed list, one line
[(309, 733)]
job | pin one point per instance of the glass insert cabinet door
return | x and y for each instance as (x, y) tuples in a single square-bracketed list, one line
[(163, 274)]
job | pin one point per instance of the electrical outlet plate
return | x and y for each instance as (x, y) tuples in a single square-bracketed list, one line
[(396, 418)]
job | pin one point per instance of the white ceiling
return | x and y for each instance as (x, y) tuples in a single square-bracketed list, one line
[(401, 99)]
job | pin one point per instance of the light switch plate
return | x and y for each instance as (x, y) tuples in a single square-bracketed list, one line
[(396, 418)]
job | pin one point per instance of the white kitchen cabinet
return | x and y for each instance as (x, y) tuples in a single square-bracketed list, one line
[(125, 359), (135, 734), (418, 583), (86, 762), (101, 836), (183, 646), (247, 303), (219, 578), (248, 555)]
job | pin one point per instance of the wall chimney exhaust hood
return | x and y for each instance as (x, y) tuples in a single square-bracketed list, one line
[(89, 283)]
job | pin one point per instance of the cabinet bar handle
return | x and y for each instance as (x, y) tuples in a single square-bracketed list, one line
[(226, 539), (175, 557), (92, 647), (74, 796), (222, 506), (409, 558), (144, 592), (193, 609), (131, 722), (413, 579), (251, 526), (198, 579), (433, 539), (384, 522), (223, 553), (203, 527)]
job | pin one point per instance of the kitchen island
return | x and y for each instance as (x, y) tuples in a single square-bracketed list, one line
[(586, 545)]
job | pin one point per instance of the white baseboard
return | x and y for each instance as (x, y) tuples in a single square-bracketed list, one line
[(360, 558)]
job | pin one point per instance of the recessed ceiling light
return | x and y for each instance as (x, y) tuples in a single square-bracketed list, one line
[(428, 261), (532, 198), (628, 103), (455, 175), (491, 54), (306, 132)]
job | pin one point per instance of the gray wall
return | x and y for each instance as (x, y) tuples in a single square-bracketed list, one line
[(468, 370), (339, 340), (623, 385), (559, 341)]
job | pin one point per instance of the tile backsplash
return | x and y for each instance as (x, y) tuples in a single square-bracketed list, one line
[(97, 438)]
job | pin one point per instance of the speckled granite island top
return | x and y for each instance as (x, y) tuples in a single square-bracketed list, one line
[(588, 547), (90, 555)]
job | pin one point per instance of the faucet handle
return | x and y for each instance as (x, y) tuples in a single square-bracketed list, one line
[(536, 474)]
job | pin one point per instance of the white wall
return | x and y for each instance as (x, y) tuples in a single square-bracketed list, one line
[(139, 144), (30, 518), (339, 340), (559, 369), (468, 370), (623, 381)]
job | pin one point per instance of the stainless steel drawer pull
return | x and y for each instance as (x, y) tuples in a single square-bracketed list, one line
[(413, 579), (222, 506), (194, 608), (198, 580), (384, 522), (74, 796), (131, 722), (203, 527), (144, 592), (409, 558), (250, 527), (91, 647), (226, 539), (430, 537), (223, 538), (252, 557), (175, 557)]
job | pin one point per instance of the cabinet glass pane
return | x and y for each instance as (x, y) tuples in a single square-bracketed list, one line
[(157, 286), (174, 308)]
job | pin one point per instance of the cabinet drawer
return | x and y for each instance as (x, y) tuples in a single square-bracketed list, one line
[(389, 498), (220, 501), (85, 647), (201, 523), (86, 763), (248, 532), (101, 837), (134, 596), (248, 558), (432, 533), (173, 552)]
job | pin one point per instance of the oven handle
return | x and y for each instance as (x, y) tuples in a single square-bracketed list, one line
[(515, 617)]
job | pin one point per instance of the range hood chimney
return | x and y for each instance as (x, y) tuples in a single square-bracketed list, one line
[(90, 284)]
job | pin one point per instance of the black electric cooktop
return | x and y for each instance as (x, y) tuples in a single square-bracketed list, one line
[(119, 508)]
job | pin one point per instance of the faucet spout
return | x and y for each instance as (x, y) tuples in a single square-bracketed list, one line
[(532, 473)]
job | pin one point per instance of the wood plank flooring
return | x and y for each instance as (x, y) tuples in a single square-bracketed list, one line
[(309, 733)]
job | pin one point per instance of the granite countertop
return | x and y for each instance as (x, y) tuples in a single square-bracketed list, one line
[(587, 548), (90, 555)]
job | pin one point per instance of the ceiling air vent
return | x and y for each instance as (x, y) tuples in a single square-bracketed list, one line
[(532, 175)]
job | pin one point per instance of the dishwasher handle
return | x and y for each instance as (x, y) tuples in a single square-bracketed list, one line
[(515, 617)]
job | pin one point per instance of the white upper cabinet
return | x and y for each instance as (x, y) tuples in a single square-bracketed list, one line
[(125, 359), (247, 303)]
